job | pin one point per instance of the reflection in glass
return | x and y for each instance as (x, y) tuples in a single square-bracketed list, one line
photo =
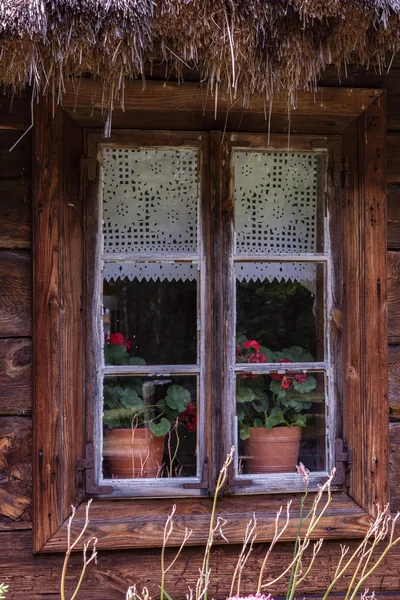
[(156, 320), (149, 427), (281, 421), (280, 305)]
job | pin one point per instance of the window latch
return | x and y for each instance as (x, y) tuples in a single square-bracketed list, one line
[(343, 462), (234, 482), (87, 464)]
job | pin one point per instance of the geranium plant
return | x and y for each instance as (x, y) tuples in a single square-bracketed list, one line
[(275, 399), (130, 401)]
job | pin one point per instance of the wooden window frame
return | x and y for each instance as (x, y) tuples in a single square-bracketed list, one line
[(59, 326)]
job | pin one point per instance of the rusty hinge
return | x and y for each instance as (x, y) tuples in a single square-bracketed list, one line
[(204, 483), (343, 462), (341, 174), (87, 464), (89, 163), (234, 482)]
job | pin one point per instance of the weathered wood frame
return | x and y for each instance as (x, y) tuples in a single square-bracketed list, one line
[(94, 258), (58, 363)]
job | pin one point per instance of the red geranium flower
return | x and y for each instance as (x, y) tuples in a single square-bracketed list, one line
[(300, 377), (252, 344), (189, 417), (117, 339)]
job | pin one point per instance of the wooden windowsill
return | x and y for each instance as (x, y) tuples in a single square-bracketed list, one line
[(122, 524)]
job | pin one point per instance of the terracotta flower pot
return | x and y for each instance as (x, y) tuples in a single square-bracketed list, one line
[(133, 453), (272, 451)]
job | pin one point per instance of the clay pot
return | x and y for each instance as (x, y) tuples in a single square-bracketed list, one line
[(133, 453), (272, 451)]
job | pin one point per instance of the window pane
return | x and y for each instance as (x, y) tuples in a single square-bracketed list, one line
[(154, 308), (281, 421), (150, 427), (281, 305), (276, 207), (150, 200)]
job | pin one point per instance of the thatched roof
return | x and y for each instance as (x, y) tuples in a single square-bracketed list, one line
[(254, 46)]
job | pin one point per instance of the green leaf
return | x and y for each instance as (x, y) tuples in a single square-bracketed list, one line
[(168, 597), (115, 355), (118, 417), (244, 431), (300, 421), (275, 418), (307, 386), (131, 399), (276, 388), (241, 339), (161, 428), (244, 394), (177, 398), (258, 423), (260, 405), (241, 415), (267, 353), (135, 360)]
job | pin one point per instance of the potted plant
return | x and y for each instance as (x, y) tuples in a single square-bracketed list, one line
[(135, 421), (271, 407)]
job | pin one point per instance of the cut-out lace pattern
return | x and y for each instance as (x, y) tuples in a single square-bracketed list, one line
[(150, 200), (275, 202), (150, 271)]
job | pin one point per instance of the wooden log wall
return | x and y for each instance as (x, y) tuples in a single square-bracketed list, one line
[(37, 577)]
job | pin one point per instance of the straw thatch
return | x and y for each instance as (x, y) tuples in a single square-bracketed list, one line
[(245, 46)]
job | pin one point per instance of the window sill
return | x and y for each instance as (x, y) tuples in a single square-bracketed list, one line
[(122, 524)]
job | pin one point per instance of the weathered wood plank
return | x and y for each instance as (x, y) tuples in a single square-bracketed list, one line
[(15, 111), (58, 365), (393, 281), (394, 466), (15, 376), (365, 322), (15, 213), (139, 524), (394, 381), (393, 207), (15, 294), (393, 157), (15, 470), (17, 163), (38, 576), (159, 95)]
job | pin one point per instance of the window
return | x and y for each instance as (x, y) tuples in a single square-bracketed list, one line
[(348, 309), (160, 277)]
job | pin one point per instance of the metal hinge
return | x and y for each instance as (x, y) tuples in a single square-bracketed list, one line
[(233, 482), (87, 464), (89, 164), (341, 174), (204, 483), (343, 462)]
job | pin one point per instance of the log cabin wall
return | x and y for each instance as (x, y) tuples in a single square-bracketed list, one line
[(38, 576)]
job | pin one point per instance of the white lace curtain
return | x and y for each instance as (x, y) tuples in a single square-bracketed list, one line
[(151, 203)]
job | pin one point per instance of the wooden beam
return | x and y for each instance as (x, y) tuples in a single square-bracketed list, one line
[(58, 318), (161, 96)]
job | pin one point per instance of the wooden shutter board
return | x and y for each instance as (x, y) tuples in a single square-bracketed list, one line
[(57, 380), (15, 376), (15, 294), (365, 321)]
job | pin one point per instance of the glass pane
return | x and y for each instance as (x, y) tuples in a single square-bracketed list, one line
[(276, 203), (281, 306), (149, 427), (150, 200), (153, 308), (281, 421)]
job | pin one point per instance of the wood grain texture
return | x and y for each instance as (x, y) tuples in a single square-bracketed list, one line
[(16, 164), (393, 157), (394, 381), (15, 471), (15, 213), (364, 311), (38, 577), (394, 466), (139, 524), (15, 376), (393, 283), (15, 111), (393, 219), (58, 252), (15, 294), (159, 95)]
